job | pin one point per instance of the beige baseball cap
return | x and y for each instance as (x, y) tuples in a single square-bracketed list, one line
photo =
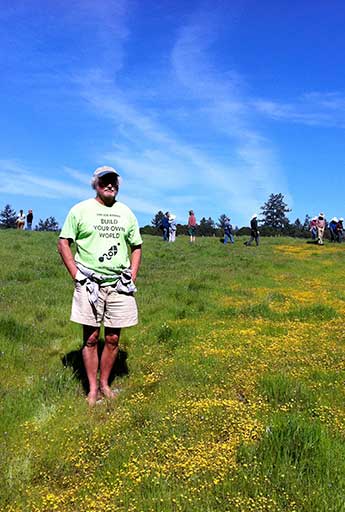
[(102, 171)]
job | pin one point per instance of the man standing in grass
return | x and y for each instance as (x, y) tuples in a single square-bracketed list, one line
[(104, 273), (165, 226), (191, 226), (29, 219), (254, 233), (228, 233)]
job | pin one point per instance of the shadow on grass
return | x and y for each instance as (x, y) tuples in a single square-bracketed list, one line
[(74, 360)]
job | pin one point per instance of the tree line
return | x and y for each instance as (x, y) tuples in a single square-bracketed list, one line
[(8, 217), (273, 221)]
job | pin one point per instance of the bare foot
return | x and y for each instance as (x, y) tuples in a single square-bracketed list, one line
[(108, 392), (92, 398)]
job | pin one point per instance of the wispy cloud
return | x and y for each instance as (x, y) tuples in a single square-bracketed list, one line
[(47, 46), (77, 175), (311, 109), (254, 163), (157, 158), (16, 179), (160, 162)]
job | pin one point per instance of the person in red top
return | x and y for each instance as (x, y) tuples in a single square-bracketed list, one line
[(191, 226)]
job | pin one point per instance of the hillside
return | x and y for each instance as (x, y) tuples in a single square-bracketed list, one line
[(232, 385)]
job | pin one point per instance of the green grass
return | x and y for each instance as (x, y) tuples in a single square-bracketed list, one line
[(232, 385)]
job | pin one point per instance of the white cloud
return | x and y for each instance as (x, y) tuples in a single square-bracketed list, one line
[(138, 204), (311, 109), (156, 164), (16, 179), (78, 175), (254, 170)]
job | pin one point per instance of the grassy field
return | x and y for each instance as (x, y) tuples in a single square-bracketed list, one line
[(232, 386)]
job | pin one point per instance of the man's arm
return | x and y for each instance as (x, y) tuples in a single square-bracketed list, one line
[(67, 256), (135, 260)]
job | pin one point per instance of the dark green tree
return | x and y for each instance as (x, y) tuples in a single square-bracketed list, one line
[(207, 227), (298, 225), (295, 229), (306, 222), (273, 212), (49, 224), (157, 219), (8, 217), (221, 220)]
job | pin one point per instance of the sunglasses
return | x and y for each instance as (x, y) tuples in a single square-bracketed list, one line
[(109, 179)]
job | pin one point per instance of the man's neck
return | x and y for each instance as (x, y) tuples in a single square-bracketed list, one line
[(105, 203)]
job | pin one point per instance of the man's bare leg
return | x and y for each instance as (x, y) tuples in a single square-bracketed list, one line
[(109, 355), (90, 358)]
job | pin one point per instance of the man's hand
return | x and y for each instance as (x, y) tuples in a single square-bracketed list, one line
[(135, 261), (65, 252)]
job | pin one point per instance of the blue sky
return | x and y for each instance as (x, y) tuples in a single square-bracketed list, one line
[(205, 105)]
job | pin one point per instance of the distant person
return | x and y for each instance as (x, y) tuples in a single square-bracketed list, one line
[(165, 226), (191, 226), (20, 221), (332, 226), (254, 233), (320, 225), (103, 272), (228, 232), (29, 219), (172, 227), (340, 230), (313, 228)]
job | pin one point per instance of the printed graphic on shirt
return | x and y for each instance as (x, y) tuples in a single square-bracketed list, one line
[(112, 252)]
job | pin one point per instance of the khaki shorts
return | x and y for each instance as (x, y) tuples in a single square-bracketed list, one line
[(113, 309)]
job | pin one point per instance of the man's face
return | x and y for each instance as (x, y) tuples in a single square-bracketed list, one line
[(107, 187)]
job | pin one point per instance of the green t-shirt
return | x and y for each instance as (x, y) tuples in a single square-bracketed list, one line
[(101, 234)]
